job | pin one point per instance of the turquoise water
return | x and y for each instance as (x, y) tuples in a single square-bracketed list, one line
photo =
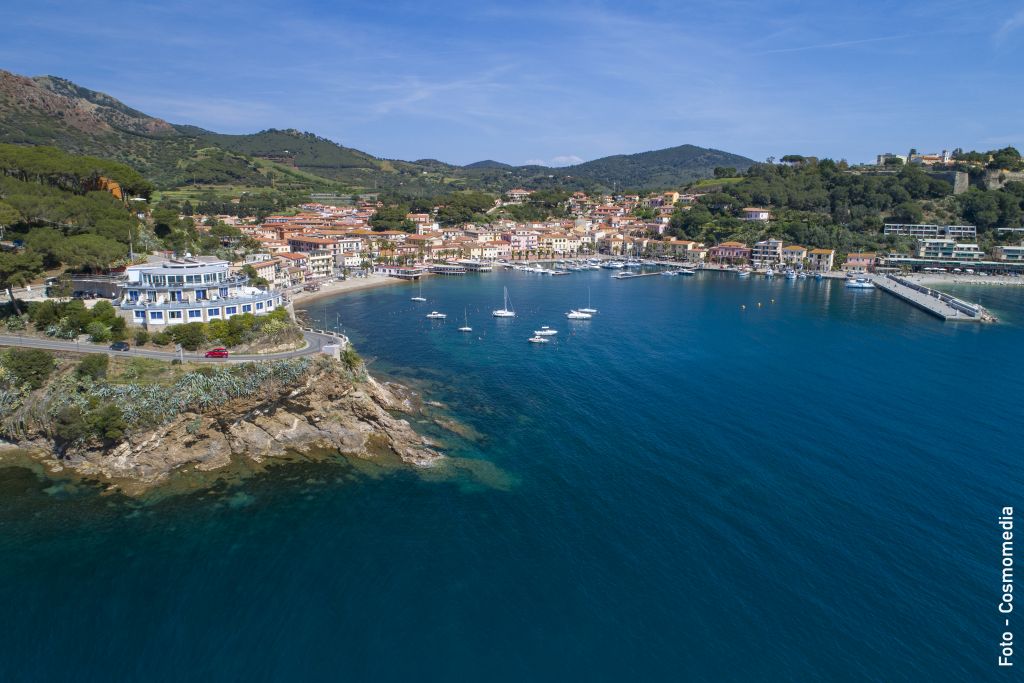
[(686, 490)]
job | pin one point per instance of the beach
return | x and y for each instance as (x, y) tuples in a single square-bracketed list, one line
[(302, 297)]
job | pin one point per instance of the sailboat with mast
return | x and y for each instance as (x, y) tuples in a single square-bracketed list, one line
[(465, 326), (588, 309), (420, 297), (506, 310)]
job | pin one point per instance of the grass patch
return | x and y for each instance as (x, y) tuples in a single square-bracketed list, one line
[(145, 371)]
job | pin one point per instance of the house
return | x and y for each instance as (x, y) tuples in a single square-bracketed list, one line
[(821, 260), (518, 195), (859, 262), (794, 254), (267, 270), (753, 213), (766, 252), (729, 252), (175, 291)]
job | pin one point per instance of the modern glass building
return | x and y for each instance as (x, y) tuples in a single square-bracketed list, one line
[(189, 290)]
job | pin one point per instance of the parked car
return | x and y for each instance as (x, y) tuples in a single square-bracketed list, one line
[(219, 352), (119, 346)]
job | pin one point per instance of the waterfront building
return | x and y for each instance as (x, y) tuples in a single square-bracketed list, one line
[(931, 231), (794, 254), (729, 252), (195, 289), (821, 260), (766, 252), (859, 262), (948, 249), (1010, 252)]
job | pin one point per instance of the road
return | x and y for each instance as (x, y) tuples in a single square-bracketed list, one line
[(314, 342)]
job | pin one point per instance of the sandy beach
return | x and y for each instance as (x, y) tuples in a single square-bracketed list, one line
[(302, 298), (963, 279)]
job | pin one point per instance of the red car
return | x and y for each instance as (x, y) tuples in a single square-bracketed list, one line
[(219, 352)]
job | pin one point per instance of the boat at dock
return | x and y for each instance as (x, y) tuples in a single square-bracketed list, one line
[(686, 271), (860, 283), (505, 311)]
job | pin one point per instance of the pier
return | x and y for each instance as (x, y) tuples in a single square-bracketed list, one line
[(447, 269), (931, 300)]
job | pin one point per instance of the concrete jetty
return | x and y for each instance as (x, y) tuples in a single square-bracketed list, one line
[(932, 301)]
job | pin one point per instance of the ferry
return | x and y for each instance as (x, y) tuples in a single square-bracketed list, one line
[(860, 283)]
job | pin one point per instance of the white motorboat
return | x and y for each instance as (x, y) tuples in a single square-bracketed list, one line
[(434, 315), (860, 283), (578, 315), (686, 271), (506, 310), (544, 331), (538, 340), (790, 274)]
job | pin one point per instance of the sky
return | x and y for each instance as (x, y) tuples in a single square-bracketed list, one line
[(551, 82)]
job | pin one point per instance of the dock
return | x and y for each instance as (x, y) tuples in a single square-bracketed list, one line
[(630, 276), (932, 301)]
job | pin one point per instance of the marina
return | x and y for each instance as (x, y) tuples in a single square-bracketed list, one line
[(939, 304)]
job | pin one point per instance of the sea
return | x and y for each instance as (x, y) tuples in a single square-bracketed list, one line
[(713, 479)]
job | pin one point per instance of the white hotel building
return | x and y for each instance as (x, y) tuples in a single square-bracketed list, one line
[(188, 290)]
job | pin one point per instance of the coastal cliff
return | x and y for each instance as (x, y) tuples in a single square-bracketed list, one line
[(323, 405)]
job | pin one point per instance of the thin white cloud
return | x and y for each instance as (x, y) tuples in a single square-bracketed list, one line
[(566, 160), (1009, 26), (830, 46)]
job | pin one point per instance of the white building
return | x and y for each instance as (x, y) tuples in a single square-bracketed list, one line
[(948, 249), (766, 253), (199, 289), (753, 213), (927, 231)]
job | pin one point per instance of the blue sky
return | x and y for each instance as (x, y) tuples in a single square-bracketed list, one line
[(551, 81)]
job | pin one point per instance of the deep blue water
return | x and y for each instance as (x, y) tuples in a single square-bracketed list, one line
[(805, 490)]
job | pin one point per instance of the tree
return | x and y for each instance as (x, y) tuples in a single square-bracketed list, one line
[(17, 270), (907, 212), (93, 365), (91, 252), (980, 207), (392, 218)]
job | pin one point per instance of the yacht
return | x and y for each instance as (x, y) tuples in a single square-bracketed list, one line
[(420, 296), (686, 271), (860, 283), (539, 340), (465, 326), (588, 309), (505, 311), (434, 315), (578, 315), (743, 273), (544, 331)]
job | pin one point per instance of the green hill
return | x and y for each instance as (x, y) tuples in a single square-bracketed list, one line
[(47, 110)]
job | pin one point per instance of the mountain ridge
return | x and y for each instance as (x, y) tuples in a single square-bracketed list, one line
[(50, 110)]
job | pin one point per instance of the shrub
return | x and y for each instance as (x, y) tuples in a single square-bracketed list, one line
[(97, 331), (107, 423), (119, 329), (141, 337), (190, 335), (30, 367), (162, 339), (93, 366), (15, 323), (350, 358)]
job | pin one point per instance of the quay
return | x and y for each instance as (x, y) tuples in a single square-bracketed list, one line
[(931, 300), (630, 276), (447, 269)]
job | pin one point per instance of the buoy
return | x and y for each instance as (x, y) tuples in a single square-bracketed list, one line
[(759, 304)]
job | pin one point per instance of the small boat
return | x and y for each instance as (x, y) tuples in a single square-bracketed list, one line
[(743, 273), (544, 331), (860, 283), (802, 275), (686, 271), (420, 296), (465, 327), (818, 276), (434, 315), (588, 309), (505, 311), (538, 340), (670, 273), (769, 272), (790, 274), (578, 315)]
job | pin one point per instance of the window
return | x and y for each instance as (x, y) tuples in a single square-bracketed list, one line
[(140, 315), (259, 305), (174, 315), (213, 312), (230, 310), (246, 308), (156, 315), (195, 314)]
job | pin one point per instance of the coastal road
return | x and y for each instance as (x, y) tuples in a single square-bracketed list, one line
[(314, 342)]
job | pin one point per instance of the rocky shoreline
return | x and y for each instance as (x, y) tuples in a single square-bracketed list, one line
[(333, 408)]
